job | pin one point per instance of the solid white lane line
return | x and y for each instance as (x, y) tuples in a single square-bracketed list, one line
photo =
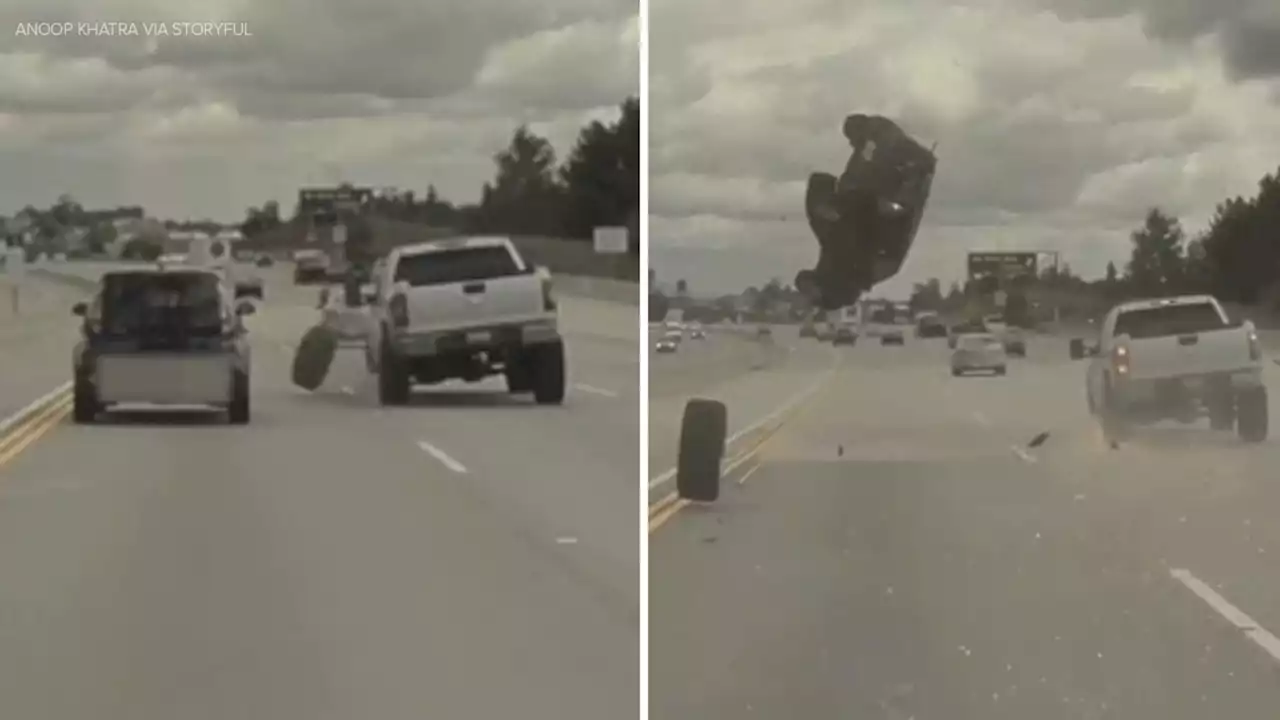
[(442, 456), (595, 390), (1234, 615)]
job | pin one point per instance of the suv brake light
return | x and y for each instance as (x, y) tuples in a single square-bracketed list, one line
[(1120, 359), (399, 309)]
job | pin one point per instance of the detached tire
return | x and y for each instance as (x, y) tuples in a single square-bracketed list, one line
[(238, 412), (1076, 348), (702, 439), (393, 376), (1252, 417), (315, 355), (548, 375), (84, 401)]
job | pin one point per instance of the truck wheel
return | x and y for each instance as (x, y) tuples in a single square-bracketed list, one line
[(702, 440), (84, 401), (1252, 415), (1222, 410), (238, 411), (519, 375), (1076, 348), (548, 374), (1115, 427), (393, 377)]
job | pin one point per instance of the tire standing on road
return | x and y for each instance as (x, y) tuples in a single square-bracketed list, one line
[(702, 439)]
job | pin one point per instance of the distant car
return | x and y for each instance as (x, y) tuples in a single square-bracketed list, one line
[(979, 352), (892, 337), (264, 261), (669, 342), (1015, 343), (965, 328), (698, 334), (808, 329), (931, 327), (844, 335), (764, 331)]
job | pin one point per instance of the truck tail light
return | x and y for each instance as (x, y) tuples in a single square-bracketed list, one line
[(1120, 359), (548, 295), (1255, 347), (399, 309)]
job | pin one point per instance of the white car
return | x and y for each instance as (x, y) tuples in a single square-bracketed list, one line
[(979, 352), (669, 342)]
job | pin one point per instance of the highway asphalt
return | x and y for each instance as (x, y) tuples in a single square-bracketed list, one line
[(472, 556), (900, 551), (752, 378)]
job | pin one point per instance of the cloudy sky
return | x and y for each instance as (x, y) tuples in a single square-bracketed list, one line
[(379, 92), (1058, 122)]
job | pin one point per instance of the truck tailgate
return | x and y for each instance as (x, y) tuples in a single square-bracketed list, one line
[(496, 301), (1190, 354)]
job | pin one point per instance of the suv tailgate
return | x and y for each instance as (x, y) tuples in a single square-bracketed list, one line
[(468, 286)]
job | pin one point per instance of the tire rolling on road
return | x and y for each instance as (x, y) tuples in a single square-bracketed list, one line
[(702, 439), (314, 357)]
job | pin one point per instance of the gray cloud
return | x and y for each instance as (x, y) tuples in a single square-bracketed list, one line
[(395, 91), (1247, 31), (1051, 134)]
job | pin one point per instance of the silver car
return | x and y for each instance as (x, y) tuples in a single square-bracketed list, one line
[(979, 352)]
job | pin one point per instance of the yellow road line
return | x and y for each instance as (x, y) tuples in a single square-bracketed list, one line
[(663, 510), (33, 429)]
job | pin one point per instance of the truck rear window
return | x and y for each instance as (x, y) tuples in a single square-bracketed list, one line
[(456, 266), (1169, 320)]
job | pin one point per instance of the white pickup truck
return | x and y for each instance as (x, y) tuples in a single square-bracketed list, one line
[(464, 308), (1177, 358)]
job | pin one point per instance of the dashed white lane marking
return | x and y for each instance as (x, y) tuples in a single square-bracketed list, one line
[(348, 390), (442, 456), (566, 541), (981, 419), (595, 390), (1234, 615)]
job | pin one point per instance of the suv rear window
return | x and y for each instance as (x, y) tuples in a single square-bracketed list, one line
[(134, 303), (1169, 320), (456, 266)]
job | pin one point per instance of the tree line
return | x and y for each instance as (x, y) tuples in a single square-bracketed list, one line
[(1236, 258), (533, 192)]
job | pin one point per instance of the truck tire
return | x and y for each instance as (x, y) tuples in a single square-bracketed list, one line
[(519, 374), (238, 411), (1222, 409), (84, 401), (314, 357), (1076, 348), (548, 374), (1115, 427), (393, 376), (1252, 417), (702, 439)]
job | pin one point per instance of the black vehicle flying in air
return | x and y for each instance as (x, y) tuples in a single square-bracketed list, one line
[(867, 219)]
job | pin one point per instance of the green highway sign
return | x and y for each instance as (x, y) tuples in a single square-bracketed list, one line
[(1002, 264)]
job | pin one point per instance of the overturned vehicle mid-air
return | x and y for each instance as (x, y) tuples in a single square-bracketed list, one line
[(867, 219)]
